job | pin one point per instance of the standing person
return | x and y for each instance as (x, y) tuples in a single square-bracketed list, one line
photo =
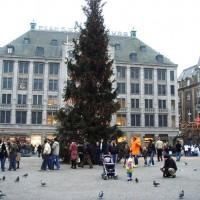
[(12, 156), (81, 154), (151, 151), (165, 148), (126, 153), (178, 148), (113, 150), (159, 149), (169, 169), (3, 154), (145, 155), (73, 154), (87, 155), (55, 153), (39, 150), (103, 149), (45, 155), (97, 153), (18, 158), (135, 149)]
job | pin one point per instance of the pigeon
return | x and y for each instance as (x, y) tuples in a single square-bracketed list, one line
[(2, 194), (155, 184), (101, 195), (43, 184), (136, 180), (185, 163), (4, 178), (25, 175), (17, 179), (181, 194)]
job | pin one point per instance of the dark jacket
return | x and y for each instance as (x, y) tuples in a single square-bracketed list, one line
[(170, 163)]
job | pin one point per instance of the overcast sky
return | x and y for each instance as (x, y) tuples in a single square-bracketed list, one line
[(171, 27)]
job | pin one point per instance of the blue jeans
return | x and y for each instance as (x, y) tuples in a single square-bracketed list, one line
[(136, 159), (114, 157), (45, 162), (56, 161), (178, 156), (12, 164), (151, 160), (3, 160)]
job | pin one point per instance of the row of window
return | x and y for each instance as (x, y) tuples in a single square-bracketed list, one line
[(148, 73), (21, 117), (38, 67), (36, 99), (148, 89), (38, 84), (135, 103), (148, 120)]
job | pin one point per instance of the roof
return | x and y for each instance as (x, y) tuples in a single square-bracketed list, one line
[(188, 72), (124, 47)]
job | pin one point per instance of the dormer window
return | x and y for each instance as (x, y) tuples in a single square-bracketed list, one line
[(159, 58), (39, 51), (10, 49), (133, 57), (143, 48), (54, 42), (117, 46), (26, 40)]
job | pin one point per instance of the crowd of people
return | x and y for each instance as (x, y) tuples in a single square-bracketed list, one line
[(81, 154)]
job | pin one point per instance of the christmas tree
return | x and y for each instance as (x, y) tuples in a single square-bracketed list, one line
[(90, 89)]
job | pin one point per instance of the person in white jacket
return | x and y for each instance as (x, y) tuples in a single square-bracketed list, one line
[(45, 155)]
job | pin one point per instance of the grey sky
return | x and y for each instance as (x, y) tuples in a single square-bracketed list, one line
[(169, 26)]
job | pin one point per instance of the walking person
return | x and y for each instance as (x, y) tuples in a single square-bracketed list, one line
[(178, 148), (45, 155), (135, 149), (159, 149), (151, 151), (73, 154), (55, 153)]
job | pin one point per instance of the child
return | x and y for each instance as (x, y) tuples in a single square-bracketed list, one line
[(129, 169)]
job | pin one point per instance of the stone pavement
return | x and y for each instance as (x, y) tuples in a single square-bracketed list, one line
[(85, 184)]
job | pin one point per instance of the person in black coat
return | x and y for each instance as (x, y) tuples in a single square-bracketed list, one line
[(169, 169)]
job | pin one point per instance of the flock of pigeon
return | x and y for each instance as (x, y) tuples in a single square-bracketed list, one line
[(101, 193), (155, 184), (2, 195)]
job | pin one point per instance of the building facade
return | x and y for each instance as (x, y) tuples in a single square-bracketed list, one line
[(189, 104), (33, 75)]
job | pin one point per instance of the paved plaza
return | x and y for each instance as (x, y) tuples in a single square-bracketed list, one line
[(85, 184)]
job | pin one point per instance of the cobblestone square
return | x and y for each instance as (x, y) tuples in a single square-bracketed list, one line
[(85, 184)]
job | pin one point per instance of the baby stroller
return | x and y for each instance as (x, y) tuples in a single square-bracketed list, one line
[(108, 168)]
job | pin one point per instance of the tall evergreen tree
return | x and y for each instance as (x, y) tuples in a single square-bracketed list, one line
[(90, 88)]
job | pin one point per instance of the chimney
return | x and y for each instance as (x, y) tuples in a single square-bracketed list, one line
[(33, 25), (133, 33)]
